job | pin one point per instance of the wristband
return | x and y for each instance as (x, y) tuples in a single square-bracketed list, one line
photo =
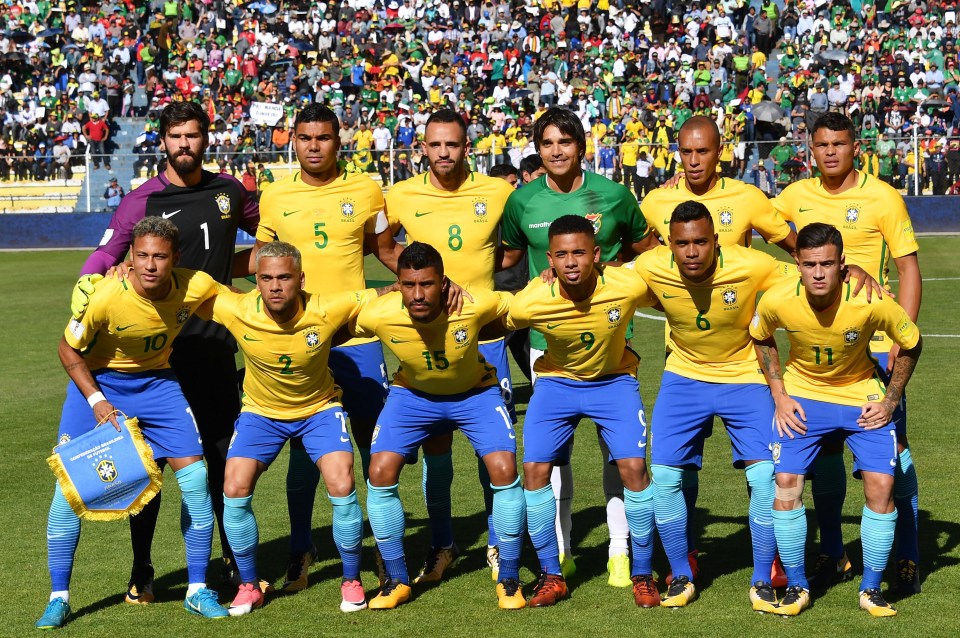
[(95, 398)]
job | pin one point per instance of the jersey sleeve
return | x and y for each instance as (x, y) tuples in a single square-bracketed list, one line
[(250, 216), (365, 323), (81, 333), (764, 322), (345, 307), (266, 230), (896, 323), (511, 233), (897, 229), (767, 221), (117, 237), (635, 226), (518, 316), (222, 308), (377, 223), (781, 205)]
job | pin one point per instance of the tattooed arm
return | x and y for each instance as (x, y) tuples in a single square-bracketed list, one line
[(874, 414), (789, 414)]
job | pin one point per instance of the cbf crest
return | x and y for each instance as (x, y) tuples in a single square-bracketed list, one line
[(614, 315), (183, 314), (348, 210), (312, 338), (851, 216), (480, 209), (729, 296), (851, 336), (726, 218), (223, 205), (460, 335), (775, 450)]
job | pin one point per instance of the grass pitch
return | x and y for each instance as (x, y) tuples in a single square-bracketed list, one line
[(36, 287)]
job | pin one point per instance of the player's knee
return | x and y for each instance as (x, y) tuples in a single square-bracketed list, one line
[(536, 476), (788, 492), (502, 467), (384, 470), (667, 479), (633, 474), (233, 488)]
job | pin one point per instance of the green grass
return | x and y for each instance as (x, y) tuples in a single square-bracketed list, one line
[(36, 289)]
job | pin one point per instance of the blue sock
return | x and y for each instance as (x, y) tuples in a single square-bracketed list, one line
[(829, 491), (541, 517), (906, 499), (790, 529), (876, 534), (303, 476), (348, 532), (760, 480), (63, 534), (509, 517), (484, 476), (196, 519), (240, 525), (671, 516), (364, 462), (385, 512), (690, 485), (437, 479), (638, 506)]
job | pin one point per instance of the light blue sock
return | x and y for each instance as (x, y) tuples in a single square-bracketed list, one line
[(876, 534), (348, 532), (509, 517), (63, 534), (240, 525), (437, 479), (671, 516), (385, 512), (196, 519), (790, 529), (761, 482), (303, 476), (638, 507), (690, 485), (541, 514), (484, 476), (364, 462), (906, 499), (829, 490)]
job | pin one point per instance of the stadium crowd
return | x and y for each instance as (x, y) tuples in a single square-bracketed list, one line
[(633, 72)]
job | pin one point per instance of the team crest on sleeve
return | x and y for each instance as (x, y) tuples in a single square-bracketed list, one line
[(312, 337), (223, 204), (725, 217), (480, 209), (183, 314), (460, 335), (107, 471), (348, 210), (775, 452), (596, 219), (729, 296), (851, 336)]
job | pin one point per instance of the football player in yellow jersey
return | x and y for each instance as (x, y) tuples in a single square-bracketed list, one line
[(288, 391), (737, 210), (457, 211), (116, 354), (708, 293), (332, 216), (872, 218), (832, 389), (587, 370), (443, 384)]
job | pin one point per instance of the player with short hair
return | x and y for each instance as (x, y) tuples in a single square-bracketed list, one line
[(738, 209), (832, 389), (708, 293), (443, 383), (288, 391), (621, 233), (587, 370), (111, 371), (873, 220), (333, 217), (208, 209)]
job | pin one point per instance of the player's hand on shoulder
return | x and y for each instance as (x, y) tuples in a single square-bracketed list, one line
[(455, 296), (876, 414), (790, 416), (673, 181), (548, 276), (864, 280), (80, 297), (121, 271)]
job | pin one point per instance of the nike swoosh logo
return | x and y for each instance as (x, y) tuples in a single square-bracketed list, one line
[(287, 213), (666, 296), (552, 326), (121, 329), (667, 222), (392, 340), (805, 210), (789, 330), (249, 338), (344, 439), (419, 214), (169, 215)]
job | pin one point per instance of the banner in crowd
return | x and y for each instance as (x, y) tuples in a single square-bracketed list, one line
[(266, 113)]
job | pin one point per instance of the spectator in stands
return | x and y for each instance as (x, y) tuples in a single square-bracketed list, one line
[(113, 194), (96, 132)]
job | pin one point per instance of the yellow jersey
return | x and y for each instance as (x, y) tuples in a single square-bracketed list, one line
[(829, 350), (440, 357), (737, 209), (462, 224), (708, 321), (629, 151), (123, 331), (586, 340), (287, 374), (327, 224), (871, 217)]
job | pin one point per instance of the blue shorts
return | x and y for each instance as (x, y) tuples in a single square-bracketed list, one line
[(558, 404), (261, 438), (362, 375), (153, 397), (683, 420), (900, 414), (410, 417), (873, 450), (495, 353)]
